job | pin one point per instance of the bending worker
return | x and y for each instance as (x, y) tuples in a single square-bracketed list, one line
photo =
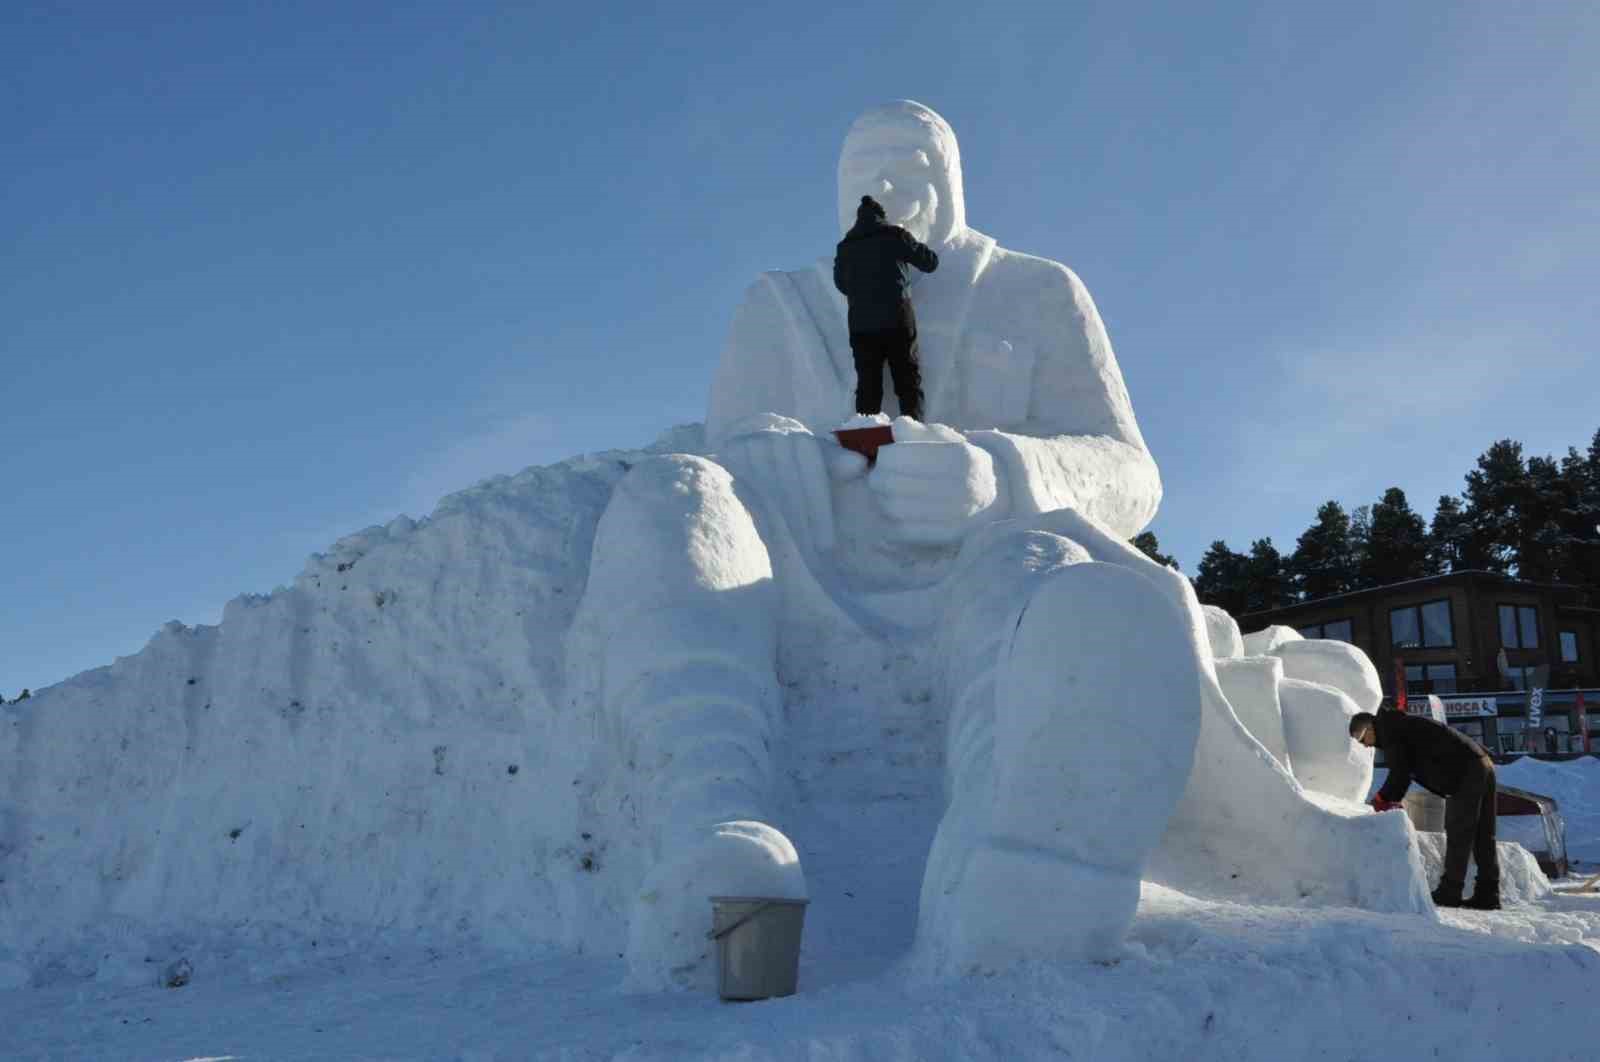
[(870, 271), (1451, 764)]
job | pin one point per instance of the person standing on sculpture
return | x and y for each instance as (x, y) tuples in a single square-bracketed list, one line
[(1451, 764), (870, 270)]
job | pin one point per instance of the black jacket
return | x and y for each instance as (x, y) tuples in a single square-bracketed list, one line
[(870, 270), (1414, 746)]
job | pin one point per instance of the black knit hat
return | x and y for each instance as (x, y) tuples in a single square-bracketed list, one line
[(870, 208)]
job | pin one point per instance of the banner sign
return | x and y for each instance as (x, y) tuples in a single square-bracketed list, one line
[(1400, 683), (1535, 706), (1470, 707)]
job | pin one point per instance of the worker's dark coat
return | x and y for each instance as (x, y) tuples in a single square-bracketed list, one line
[(871, 270), (1416, 747)]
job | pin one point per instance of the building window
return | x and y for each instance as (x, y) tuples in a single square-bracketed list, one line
[(1425, 626), (1338, 630), (1430, 678), (1569, 647), (1519, 627), (1513, 736)]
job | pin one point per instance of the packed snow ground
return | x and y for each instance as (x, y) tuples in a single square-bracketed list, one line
[(469, 910), (1199, 981)]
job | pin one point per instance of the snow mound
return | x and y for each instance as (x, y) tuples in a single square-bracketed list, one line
[(1521, 880)]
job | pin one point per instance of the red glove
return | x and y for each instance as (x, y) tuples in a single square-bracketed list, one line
[(1380, 804)]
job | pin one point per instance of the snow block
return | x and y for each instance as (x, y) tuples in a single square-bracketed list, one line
[(1251, 685), (1316, 726), (1267, 640), (1223, 632), (1333, 663)]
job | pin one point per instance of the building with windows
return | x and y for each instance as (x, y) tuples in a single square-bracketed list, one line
[(1483, 642)]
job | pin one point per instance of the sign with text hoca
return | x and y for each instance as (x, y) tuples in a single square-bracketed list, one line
[(1470, 707)]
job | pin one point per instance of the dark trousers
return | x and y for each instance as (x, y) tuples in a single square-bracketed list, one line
[(897, 348), (1469, 826)]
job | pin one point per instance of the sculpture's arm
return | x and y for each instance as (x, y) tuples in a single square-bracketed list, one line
[(1079, 446), (1104, 478)]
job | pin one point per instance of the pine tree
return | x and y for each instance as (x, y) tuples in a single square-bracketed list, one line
[(1360, 543), (1221, 578), (1266, 579), (1396, 546), (1583, 525), (1540, 536), (1450, 536), (1145, 542), (24, 695), (1497, 494), (1323, 562)]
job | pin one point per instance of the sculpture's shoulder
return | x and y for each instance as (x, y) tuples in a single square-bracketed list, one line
[(1045, 303), (773, 287), (1015, 276)]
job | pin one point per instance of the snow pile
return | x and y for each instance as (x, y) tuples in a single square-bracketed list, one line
[(1575, 785), (385, 743), (1521, 880)]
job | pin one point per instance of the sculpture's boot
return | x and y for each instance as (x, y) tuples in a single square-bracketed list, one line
[(1448, 894), (1052, 863), (670, 916)]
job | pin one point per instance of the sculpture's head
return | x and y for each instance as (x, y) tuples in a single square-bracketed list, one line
[(904, 155)]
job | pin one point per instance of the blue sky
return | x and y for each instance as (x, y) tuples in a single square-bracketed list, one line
[(276, 272)]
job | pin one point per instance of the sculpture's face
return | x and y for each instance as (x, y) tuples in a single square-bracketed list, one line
[(899, 176), (905, 156)]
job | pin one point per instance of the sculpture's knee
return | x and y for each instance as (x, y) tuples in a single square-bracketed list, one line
[(1071, 760), (674, 531), (998, 573)]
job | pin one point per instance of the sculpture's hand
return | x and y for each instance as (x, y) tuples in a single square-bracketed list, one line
[(779, 459), (936, 492)]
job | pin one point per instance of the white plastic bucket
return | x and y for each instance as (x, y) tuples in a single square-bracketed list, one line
[(758, 945)]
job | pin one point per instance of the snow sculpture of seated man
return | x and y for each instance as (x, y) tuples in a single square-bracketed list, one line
[(993, 540)]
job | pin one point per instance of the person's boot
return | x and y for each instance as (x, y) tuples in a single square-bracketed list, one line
[(1485, 896), (1448, 894)]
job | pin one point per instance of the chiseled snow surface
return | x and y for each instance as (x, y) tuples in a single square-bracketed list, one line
[(366, 817)]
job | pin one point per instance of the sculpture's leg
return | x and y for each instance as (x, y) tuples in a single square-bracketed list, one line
[(680, 616), (1056, 797)]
